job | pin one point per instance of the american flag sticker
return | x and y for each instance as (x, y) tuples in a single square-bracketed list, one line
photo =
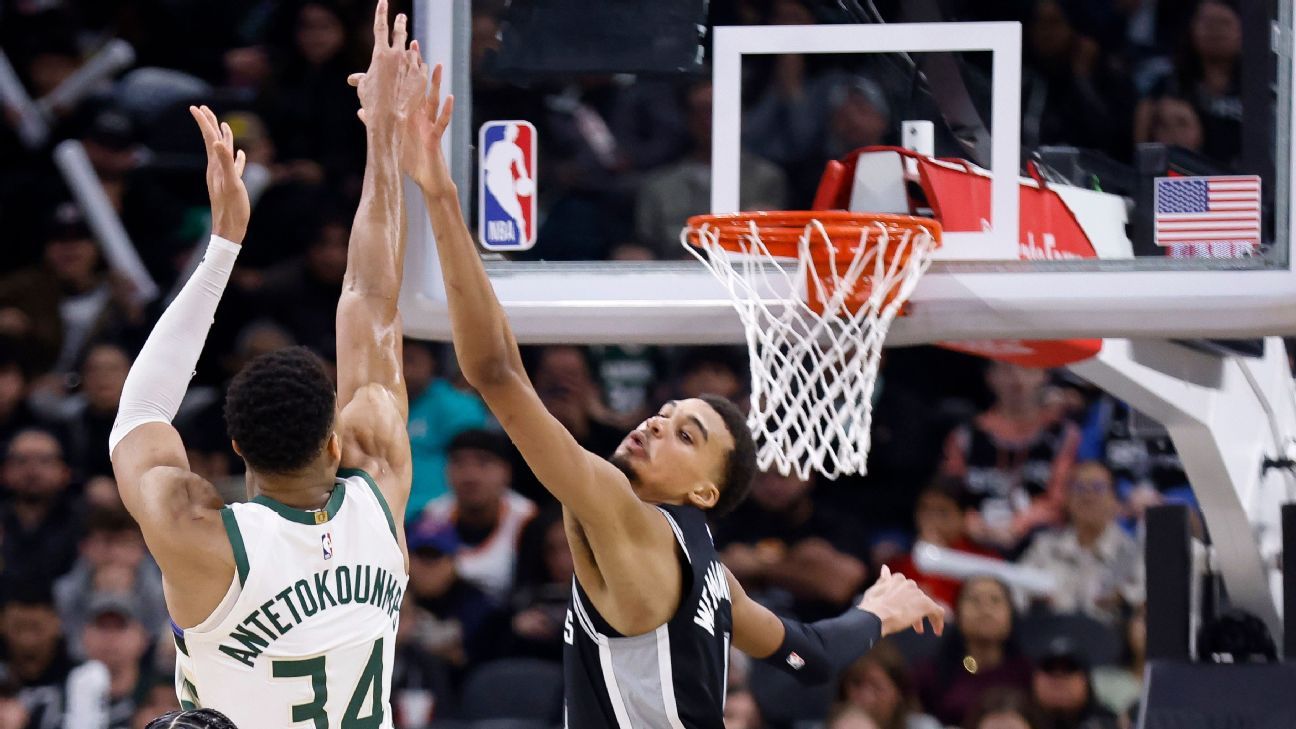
[(1219, 212)]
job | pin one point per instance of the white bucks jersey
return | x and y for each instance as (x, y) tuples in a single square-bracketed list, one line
[(305, 637)]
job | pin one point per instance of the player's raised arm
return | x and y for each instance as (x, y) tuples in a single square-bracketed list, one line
[(142, 437), (177, 510), (597, 493), (372, 400), (815, 652)]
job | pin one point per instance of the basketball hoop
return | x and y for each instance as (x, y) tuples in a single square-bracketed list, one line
[(816, 292)]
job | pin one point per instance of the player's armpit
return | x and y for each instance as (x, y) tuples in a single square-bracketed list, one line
[(179, 514), (371, 428)]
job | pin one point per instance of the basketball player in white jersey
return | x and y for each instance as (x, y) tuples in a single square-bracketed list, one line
[(653, 611), (285, 607)]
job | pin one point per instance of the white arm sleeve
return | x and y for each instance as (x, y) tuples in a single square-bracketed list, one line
[(158, 379)]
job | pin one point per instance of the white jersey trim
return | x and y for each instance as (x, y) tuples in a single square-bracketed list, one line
[(665, 673)]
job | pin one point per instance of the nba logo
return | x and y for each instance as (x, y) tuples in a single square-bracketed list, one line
[(326, 543), (506, 200)]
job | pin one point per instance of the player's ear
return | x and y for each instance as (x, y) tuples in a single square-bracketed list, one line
[(334, 446), (704, 495), (237, 451)]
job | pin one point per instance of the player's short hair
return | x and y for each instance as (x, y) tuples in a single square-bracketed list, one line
[(740, 463), (192, 719), (279, 409)]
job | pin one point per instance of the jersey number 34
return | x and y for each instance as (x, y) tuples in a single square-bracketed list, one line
[(369, 684)]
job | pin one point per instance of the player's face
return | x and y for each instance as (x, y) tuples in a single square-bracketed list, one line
[(678, 455)]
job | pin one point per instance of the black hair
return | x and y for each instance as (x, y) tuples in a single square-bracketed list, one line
[(28, 590), (740, 464), (192, 719), (480, 439), (279, 410)]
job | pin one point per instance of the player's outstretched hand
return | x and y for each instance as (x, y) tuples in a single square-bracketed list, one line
[(391, 89), (899, 603), (230, 208), (421, 155)]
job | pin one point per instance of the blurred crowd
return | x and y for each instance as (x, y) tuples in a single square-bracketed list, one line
[(1026, 467)]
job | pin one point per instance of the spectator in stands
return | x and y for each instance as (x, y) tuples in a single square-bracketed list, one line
[(670, 195), (741, 710), (438, 412), (939, 517), (788, 552), (486, 515), (1174, 121), (713, 370), (630, 374), (860, 117), (15, 413), (977, 653), (1208, 73), (1061, 688), (543, 589), (311, 110), (879, 684), (564, 379), (13, 713), (115, 637), (454, 611), (1004, 709), (1014, 458), (849, 716), (160, 699), (54, 309), (39, 522), (1120, 687), (57, 691), (112, 557), (1065, 70), (1099, 568), (301, 294), (87, 417), (420, 678)]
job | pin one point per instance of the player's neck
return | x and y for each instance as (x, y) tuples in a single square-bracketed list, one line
[(300, 491)]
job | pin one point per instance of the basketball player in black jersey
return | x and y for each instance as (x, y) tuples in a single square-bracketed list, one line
[(653, 611)]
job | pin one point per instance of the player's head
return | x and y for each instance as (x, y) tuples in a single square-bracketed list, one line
[(510, 132), (697, 451), (192, 719), (279, 412)]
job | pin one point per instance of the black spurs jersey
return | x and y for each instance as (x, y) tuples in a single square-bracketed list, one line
[(670, 678)]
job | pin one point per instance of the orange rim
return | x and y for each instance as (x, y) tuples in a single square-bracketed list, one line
[(781, 230)]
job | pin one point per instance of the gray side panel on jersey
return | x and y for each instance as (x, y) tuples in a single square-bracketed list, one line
[(638, 666)]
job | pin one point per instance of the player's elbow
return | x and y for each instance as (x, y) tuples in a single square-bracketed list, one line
[(487, 373)]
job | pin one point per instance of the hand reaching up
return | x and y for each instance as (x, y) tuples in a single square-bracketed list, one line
[(421, 157), (230, 207), (393, 88), (899, 604)]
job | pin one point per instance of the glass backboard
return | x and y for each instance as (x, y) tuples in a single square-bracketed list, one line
[(1097, 174)]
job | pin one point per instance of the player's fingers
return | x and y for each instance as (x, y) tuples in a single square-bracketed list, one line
[(918, 626), (227, 137), (380, 26), (447, 112), (198, 116), (436, 86), (937, 619), (355, 79), (399, 33), (240, 162)]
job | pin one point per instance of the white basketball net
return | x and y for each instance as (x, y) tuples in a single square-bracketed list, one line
[(812, 373)]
